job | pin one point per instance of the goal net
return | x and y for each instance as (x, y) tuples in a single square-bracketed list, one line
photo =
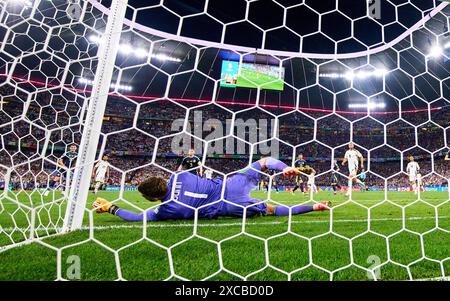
[(97, 96)]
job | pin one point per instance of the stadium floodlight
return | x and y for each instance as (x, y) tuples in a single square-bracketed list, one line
[(363, 74), (165, 57), (141, 53), (125, 49), (370, 105), (128, 49), (349, 75), (90, 82), (121, 87), (94, 39), (24, 2), (331, 75), (380, 72), (436, 51)]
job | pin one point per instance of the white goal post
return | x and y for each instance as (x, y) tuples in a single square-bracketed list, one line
[(107, 53)]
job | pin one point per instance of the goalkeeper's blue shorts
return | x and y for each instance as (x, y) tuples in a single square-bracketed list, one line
[(237, 194)]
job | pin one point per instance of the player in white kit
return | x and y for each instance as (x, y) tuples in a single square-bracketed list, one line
[(412, 169), (101, 173), (208, 174), (311, 183), (353, 157)]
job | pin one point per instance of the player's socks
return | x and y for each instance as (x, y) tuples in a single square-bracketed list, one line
[(350, 186), (361, 185), (97, 185), (284, 211)]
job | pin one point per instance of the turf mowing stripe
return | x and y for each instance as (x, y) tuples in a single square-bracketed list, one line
[(434, 279), (227, 224)]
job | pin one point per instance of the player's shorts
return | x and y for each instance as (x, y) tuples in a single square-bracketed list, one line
[(100, 178), (412, 178), (298, 179), (237, 191), (352, 169)]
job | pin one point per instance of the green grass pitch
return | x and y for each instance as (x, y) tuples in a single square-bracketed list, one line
[(252, 79), (402, 232)]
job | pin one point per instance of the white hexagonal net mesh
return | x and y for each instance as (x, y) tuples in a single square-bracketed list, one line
[(294, 88)]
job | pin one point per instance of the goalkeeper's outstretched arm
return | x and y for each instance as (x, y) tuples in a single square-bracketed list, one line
[(274, 164), (102, 206)]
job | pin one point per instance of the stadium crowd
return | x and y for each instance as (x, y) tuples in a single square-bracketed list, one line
[(132, 147)]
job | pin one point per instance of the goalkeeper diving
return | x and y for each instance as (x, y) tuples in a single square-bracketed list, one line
[(185, 191)]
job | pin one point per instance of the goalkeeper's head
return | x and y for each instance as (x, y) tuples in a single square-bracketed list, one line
[(154, 189)]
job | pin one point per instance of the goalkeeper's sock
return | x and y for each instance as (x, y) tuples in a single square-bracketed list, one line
[(284, 211)]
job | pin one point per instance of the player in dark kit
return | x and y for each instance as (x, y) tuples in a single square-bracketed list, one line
[(334, 179), (301, 165), (186, 191), (275, 186), (65, 163), (190, 162)]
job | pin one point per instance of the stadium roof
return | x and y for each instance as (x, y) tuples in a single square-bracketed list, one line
[(403, 64)]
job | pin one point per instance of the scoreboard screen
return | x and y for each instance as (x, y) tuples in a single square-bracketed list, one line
[(251, 76)]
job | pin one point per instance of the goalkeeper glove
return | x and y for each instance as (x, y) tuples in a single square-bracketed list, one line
[(101, 206)]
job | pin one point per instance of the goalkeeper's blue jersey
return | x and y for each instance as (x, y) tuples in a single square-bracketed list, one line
[(188, 191)]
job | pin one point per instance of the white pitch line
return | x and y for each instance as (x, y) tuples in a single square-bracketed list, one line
[(434, 279), (184, 225)]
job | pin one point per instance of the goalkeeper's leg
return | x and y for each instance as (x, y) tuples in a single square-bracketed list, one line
[(295, 210)]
